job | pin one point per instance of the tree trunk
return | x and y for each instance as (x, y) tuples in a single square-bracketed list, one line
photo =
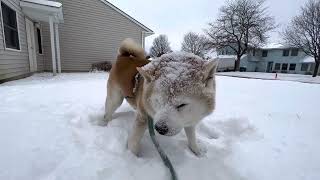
[(316, 68), (237, 64)]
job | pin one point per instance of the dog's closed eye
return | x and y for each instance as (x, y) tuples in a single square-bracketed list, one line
[(179, 107)]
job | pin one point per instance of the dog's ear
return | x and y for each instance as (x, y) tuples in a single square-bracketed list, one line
[(210, 68), (147, 77)]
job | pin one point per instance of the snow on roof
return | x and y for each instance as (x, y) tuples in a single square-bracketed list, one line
[(230, 56), (45, 3), (226, 56), (274, 46), (308, 59)]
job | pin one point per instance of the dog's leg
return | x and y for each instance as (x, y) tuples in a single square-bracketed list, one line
[(113, 101), (192, 141), (139, 128)]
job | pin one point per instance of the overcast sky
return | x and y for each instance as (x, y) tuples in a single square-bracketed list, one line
[(177, 17)]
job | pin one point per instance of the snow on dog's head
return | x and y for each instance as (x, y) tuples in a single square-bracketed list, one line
[(179, 89)]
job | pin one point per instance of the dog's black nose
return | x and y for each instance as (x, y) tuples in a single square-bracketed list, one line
[(162, 128)]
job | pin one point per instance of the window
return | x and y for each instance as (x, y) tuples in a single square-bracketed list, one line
[(292, 67), (285, 52), (9, 19), (304, 66), (277, 66), (264, 53), (284, 66), (294, 52), (39, 41), (312, 67)]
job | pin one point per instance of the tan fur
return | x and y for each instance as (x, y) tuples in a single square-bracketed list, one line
[(129, 47), (124, 70)]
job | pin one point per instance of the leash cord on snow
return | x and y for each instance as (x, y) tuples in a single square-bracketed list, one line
[(162, 154)]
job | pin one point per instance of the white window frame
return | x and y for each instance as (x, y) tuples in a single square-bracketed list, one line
[(4, 36), (295, 67), (264, 51), (286, 50), (286, 68), (295, 49), (276, 66)]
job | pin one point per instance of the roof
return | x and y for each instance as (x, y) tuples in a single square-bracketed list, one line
[(270, 46), (308, 59), (45, 3), (222, 57), (41, 10), (148, 31)]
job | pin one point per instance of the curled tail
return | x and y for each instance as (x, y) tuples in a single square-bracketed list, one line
[(130, 48)]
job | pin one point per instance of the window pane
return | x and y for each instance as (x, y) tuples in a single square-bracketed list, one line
[(277, 66), (10, 27), (292, 67), (285, 53), (39, 41), (264, 53), (9, 16), (294, 52), (11, 37), (304, 67), (284, 66)]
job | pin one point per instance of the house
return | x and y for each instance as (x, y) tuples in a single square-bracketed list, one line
[(273, 57), (61, 36)]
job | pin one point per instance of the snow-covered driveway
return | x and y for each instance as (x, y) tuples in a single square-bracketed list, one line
[(267, 130)]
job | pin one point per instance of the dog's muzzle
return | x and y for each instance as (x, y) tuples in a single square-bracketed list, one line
[(161, 128)]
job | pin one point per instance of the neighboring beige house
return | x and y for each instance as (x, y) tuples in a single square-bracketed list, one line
[(64, 35)]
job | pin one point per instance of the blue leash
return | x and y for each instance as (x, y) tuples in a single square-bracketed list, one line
[(162, 154)]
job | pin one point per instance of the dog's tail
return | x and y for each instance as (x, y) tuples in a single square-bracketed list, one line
[(130, 48)]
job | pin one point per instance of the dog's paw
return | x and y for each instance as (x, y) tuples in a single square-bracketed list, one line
[(100, 121), (133, 147), (199, 149)]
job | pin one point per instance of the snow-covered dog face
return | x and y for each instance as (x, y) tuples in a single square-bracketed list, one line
[(179, 90)]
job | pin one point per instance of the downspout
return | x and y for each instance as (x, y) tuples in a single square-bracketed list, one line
[(143, 39)]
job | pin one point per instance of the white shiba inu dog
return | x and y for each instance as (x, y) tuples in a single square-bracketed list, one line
[(177, 90)]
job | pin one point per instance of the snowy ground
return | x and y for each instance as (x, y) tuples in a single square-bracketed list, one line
[(267, 130), (271, 76)]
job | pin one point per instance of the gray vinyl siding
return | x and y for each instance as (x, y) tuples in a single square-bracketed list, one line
[(14, 63), (91, 32), (40, 62)]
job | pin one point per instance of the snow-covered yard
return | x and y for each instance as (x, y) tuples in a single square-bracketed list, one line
[(267, 130), (272, 76)]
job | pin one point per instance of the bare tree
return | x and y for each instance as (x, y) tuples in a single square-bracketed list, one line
[(160, 46), (241, 23), (195, 43), (304, 31)]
